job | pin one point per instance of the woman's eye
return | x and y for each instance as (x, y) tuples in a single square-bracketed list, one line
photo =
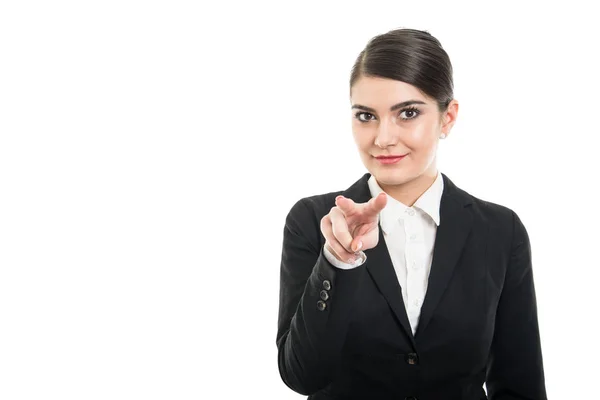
[(364, 116), (409, 114)]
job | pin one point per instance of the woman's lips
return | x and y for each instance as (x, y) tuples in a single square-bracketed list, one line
[(389, 159)]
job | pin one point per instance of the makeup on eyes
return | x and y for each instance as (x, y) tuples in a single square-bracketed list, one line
[(416, 112)]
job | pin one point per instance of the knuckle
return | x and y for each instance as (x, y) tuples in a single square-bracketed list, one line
[(326, 230)]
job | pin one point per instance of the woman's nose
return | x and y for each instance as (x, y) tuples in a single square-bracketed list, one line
[(386, 133)]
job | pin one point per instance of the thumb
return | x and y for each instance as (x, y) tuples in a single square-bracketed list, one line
[(357, 244)]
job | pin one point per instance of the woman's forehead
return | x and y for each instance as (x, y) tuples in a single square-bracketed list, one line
[(384, 92)]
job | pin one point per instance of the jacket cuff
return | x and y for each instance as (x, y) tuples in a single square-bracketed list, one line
[(343, 265)]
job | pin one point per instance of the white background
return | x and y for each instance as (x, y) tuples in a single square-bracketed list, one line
[(150, 151)]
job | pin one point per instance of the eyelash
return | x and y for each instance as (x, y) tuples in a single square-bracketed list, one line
[(412, 109)]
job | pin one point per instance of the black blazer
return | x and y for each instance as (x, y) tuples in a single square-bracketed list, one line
[(344, 334)]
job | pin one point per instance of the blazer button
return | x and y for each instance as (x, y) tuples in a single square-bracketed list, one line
[(412, 359), (321, 306), (410, 398), (326, 285), (324, 295)]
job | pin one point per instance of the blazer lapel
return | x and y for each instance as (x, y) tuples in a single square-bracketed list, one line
[(455, 225), (381, 269), (379, 264)]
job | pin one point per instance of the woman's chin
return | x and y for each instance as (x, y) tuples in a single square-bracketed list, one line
[(390, 176), (388, 173)]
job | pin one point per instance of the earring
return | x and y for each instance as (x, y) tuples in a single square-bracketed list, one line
[(443, 136)]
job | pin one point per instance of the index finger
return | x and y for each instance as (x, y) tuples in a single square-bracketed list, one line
[(376, 204)]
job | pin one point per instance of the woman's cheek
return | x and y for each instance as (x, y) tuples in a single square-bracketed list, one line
[(361, 140)]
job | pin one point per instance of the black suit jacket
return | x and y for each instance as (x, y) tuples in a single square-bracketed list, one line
[(344, 334)]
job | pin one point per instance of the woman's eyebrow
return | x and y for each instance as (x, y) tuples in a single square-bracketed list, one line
[(392, 108)]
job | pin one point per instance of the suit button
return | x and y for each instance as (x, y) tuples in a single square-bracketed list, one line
[(412, 359), (410, 398), (324, 295), (326, 285), (321, 306)]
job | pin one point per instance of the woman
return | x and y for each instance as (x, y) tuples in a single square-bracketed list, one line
[(404, 286)]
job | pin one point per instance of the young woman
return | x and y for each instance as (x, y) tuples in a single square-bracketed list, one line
[(404, 286)]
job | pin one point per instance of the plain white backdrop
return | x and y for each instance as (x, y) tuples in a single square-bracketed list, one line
[(150, 151)]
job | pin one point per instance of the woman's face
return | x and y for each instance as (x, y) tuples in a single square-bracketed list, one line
[(393, 118)]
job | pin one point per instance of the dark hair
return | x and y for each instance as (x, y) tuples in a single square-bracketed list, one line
[(411, 56)]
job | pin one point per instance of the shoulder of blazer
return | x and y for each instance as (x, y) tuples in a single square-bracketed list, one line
[(503, 221)]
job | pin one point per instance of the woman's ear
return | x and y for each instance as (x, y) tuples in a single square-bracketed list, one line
[(450, 115)]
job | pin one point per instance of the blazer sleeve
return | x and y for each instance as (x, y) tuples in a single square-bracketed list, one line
[(515, 368), (315, 302)]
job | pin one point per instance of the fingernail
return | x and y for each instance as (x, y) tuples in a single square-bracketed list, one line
[(358, 246)]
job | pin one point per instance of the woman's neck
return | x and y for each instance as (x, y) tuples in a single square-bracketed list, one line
[(408, 193)]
